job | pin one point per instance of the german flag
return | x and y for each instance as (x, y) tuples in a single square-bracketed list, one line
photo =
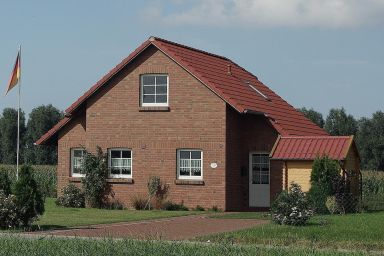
[(15, 76)]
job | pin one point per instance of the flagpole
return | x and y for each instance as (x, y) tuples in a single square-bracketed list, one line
[(18, 120)]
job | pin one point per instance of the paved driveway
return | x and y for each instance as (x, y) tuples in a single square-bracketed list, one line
[(178, 228)]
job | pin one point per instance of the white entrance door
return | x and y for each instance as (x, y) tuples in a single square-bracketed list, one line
[(259, 195)]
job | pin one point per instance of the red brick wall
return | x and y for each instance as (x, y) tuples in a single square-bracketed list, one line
[(246, 133), (71, 136), (196, 120)]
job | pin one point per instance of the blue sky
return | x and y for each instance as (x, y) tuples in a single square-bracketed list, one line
[(313, 53)]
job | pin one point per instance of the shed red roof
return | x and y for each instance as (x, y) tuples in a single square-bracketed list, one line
[(309, 147), (239, 88)]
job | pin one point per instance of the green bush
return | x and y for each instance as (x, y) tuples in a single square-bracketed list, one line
[(95, 185), (325, 177), (317, 196), (9, 212), (5, 183), (72, 196), (115, 205), (170, 206), (29, 200), (291, 208)]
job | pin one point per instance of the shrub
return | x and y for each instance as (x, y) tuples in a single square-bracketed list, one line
[(199, 208), (325, 177), (215, 208), (158, 191), (28, 197), (5, 182), (72, 197), (9, 212), (317, 196), (139, 202), (95, 185), (115, 205), (170, 206), (291, 208)]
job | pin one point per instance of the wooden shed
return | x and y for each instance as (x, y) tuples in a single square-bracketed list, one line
[(299, 152)]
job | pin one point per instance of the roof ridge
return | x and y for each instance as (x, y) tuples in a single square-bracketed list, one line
[(315, 136), (190, 48)]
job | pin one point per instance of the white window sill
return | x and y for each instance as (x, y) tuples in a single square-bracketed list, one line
[(189, 182), (120, 180), (109, 180), (154, 109)]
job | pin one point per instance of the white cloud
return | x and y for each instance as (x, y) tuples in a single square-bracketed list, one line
[(271, 13)]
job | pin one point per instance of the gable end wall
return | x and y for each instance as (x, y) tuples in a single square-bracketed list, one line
[(196, 120)]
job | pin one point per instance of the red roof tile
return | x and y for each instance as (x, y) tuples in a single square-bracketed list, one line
[(234, 88), (309, 147)]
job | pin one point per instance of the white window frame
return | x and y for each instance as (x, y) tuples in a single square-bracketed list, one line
[(183, 177), (166, 104), (73, 162), (127, 176), (269, 167)]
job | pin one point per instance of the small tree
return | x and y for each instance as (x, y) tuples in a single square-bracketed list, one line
[(325, 177), (157, 190), (291, 208), (95, 185), (28, 197)]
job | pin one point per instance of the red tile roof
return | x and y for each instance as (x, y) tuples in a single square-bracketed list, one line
[(240, 89), (309, 147)]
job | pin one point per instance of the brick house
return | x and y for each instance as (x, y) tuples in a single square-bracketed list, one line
[(201, 122)]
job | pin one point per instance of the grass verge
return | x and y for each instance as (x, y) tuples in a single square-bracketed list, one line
[(60, 217), (352, 231), (12, 245)]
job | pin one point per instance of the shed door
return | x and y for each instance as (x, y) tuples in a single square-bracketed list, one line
[(259, 187)]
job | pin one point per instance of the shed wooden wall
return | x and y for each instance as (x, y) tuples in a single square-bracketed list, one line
[(300, 173)]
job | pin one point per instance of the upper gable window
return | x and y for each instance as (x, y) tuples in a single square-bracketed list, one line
[(154, 90)]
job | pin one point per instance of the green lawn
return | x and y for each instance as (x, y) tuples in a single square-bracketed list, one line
[(352, 231), (13, 245), (60, 217)]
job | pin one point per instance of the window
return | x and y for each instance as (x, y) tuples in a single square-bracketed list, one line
[(189, 164), (120, 163), (77, 156), (260, 168), (154, 90)]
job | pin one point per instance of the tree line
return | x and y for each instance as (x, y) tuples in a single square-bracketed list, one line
[(40, 120), (368, 132)]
